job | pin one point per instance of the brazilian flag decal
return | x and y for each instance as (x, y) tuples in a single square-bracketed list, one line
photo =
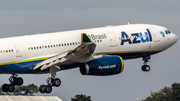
[(89, 37)]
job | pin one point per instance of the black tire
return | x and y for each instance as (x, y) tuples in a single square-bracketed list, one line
[(10, 88), (48, 89), (56, 82), (4, 87), (145, 68), (19, 81), (42, 89)]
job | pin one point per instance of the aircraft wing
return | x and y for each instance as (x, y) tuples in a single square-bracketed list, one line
[(84, 50)]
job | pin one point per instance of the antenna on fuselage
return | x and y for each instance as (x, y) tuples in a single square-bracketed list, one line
[(128, 23)]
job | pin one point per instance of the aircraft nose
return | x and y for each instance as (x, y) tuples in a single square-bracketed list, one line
[(175, 38)]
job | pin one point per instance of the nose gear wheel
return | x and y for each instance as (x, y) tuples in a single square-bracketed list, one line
[(146, 67)]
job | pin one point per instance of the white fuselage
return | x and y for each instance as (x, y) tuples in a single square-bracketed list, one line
[(109, 40)]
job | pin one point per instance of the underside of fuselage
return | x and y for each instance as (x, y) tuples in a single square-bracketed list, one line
[(28, 67)]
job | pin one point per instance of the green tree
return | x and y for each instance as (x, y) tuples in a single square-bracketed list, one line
[(175, 92), (1, 92), (27, 90), (81, 98), (166, 94)]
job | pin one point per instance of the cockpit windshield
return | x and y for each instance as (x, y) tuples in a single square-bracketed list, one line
[(167, 32)]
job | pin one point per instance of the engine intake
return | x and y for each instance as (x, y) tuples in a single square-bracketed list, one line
[(108, 65)]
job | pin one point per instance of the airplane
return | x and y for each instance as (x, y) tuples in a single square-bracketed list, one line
[(95, 51)]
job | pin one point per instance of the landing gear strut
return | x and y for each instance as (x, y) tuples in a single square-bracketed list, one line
[(51, 81), (146, 67), (14, 80)]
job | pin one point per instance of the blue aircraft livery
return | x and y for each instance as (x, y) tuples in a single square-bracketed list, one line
[(135, 36)]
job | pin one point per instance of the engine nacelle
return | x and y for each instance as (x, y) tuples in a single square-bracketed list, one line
[(108, 65)]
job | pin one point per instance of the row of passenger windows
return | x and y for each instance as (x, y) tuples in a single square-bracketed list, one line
[(48, 46), (55, 45), (97, 41), (7, 51)]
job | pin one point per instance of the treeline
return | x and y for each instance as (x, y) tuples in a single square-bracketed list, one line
[(166, 94)]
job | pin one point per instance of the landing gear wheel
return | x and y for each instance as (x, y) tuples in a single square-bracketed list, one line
[(14, 80), (19, 81), (10, 88), (48, 89), (45, 89), (145, 68), (4, 87), (51, 82), (42, 89), (56, 82)]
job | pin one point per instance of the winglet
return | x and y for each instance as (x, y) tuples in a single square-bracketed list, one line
[(84, 38)]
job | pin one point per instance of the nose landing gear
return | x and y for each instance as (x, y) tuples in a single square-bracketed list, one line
[(146, 67)]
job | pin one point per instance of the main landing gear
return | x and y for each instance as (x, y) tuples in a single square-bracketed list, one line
[(51, 81), (14, 80), (146, 67)]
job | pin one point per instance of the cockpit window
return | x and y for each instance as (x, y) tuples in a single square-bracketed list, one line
[(167, 32)]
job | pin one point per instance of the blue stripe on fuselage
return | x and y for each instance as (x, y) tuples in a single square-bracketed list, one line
[(27, 67)]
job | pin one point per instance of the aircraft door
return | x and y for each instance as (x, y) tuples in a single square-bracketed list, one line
[(18, 52), (112, 40), (155, 35)]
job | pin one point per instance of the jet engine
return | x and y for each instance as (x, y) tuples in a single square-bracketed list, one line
[(108, 65)]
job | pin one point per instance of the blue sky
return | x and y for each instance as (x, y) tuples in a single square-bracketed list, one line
[(43, 16)]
